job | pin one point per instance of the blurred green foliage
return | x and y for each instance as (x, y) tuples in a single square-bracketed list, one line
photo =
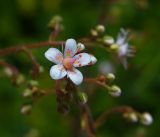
[(25, 21)]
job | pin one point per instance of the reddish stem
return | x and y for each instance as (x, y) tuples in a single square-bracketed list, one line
[(12, 50), (121, 109)]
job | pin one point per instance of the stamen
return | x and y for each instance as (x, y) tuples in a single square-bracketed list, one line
[(68, 63)]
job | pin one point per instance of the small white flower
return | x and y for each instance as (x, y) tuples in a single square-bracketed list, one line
[(146, 118), (65, 64), (124, 50)]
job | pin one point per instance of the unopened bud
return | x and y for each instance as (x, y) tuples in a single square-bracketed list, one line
[(20, 79), (33, 83), (80, 47), (94, 33), (27, 93), (100, 28), (26, 109), (114, 47), (108, 40), (146, 118), (132, 116), (54, 21), (110, 76), (8, 72), (82, 97), (115, 91)]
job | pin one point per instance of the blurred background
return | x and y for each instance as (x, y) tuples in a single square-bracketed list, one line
[(25, 21)]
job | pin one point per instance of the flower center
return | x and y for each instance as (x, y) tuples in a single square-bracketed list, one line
[(68, 63)]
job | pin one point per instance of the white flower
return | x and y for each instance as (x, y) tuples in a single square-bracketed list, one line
[(146, 118), (124, 50), (65, 64)]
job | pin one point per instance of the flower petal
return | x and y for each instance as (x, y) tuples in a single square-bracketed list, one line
[(76, 76), (57, 72), (70, 48), (54, 55), (123, 50), (122, 37), (84, 59)]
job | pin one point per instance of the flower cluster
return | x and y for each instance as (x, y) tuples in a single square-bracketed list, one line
[(66, 64)]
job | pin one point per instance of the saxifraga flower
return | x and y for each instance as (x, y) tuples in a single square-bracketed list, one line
[(66, 64), (124, 49)]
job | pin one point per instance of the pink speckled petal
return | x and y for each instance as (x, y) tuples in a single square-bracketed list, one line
[(84, 59)]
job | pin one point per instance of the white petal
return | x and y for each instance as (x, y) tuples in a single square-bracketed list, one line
[(122, 37), (84, 59), (76, 76), (123, 49), (54, 55), (70, 48), (57, 72)]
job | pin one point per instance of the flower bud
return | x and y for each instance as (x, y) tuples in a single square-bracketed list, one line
[(114, 47), (94, 33), (115, 91), (146, 118), (33, 83), (54, 21), (8, 72), (26, 109), (108, 40), (100, 28), (132, 116), (27, 93), (82, 97), (80, 47), (20, 79), (110, 76)]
